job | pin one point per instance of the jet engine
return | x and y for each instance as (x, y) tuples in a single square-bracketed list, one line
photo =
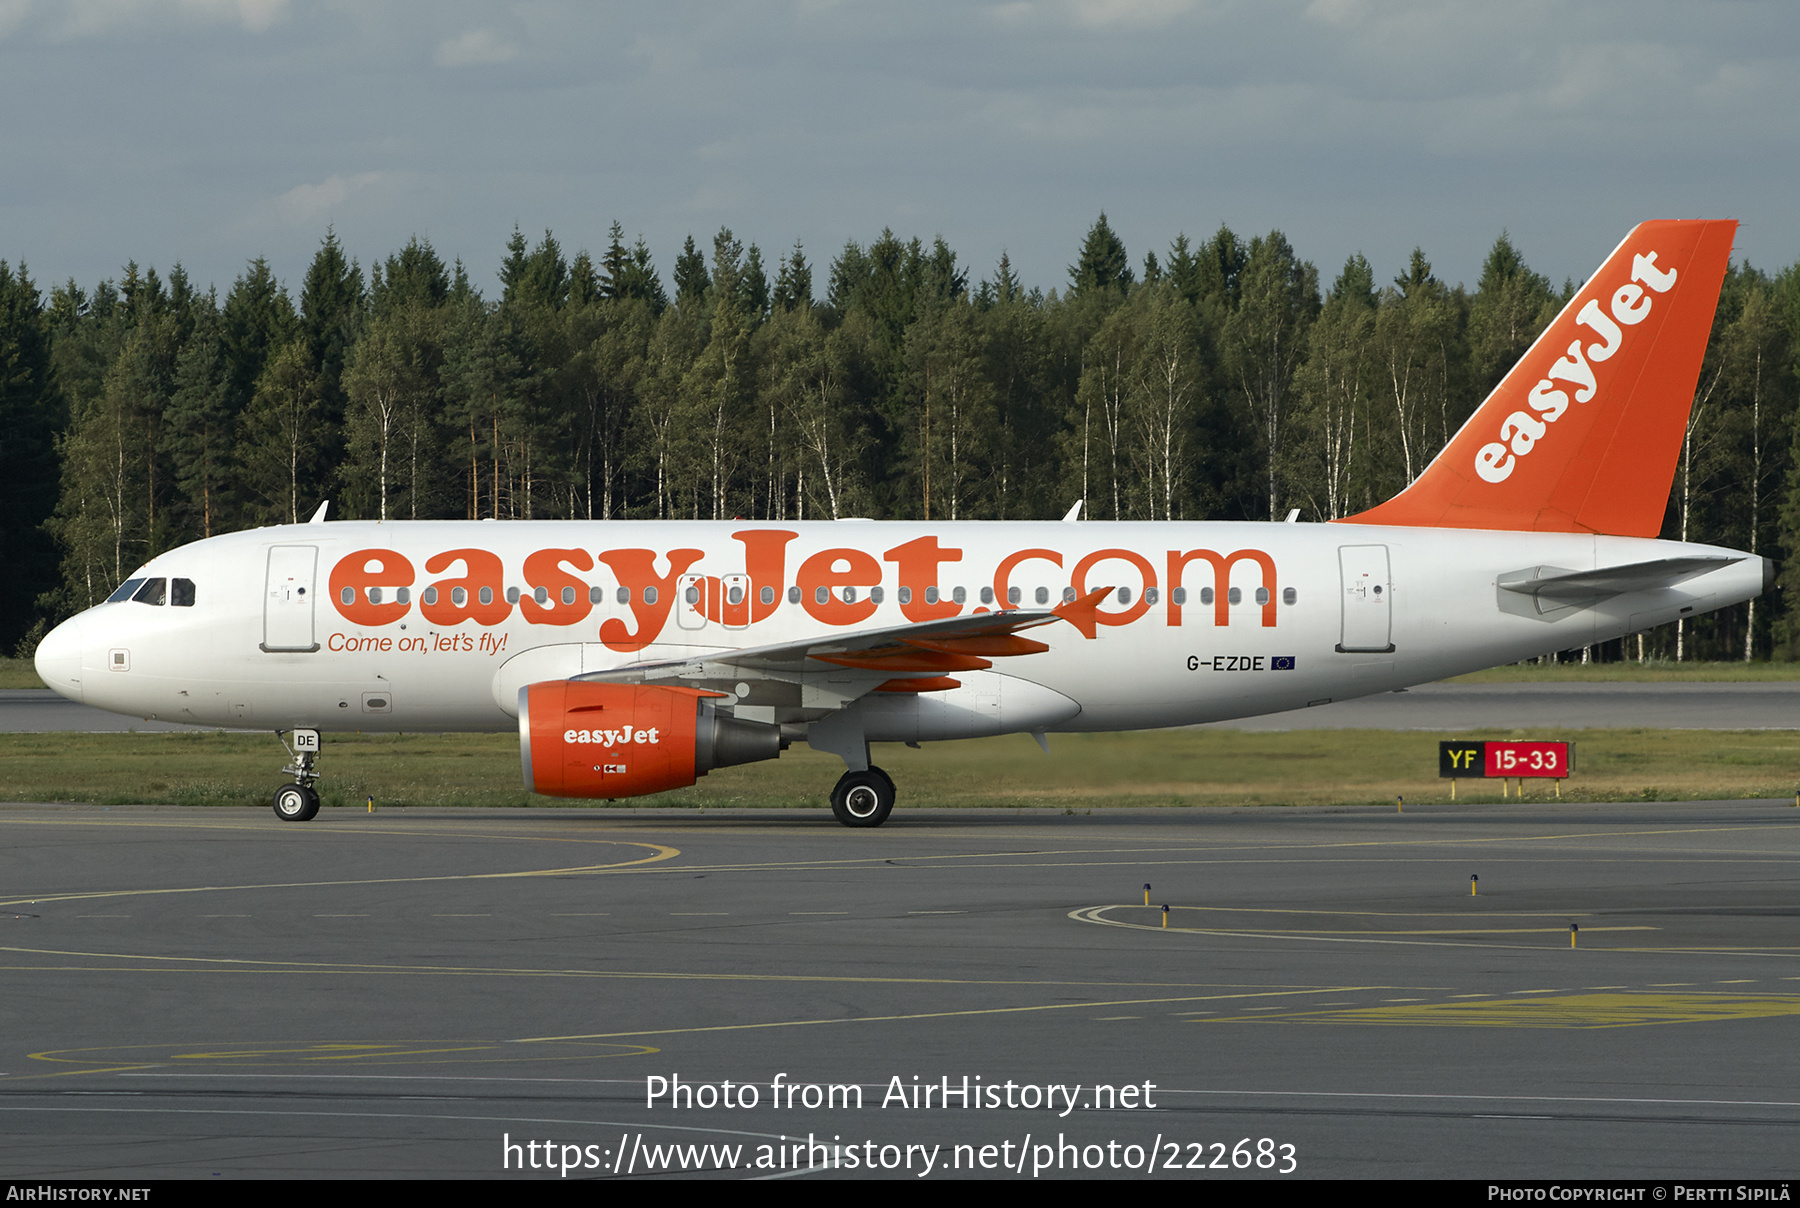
[(584, 739)]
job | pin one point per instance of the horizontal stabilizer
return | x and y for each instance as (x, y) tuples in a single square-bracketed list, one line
[(1583, 586)]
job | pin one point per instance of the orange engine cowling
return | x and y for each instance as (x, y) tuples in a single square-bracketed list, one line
[(581, 739)]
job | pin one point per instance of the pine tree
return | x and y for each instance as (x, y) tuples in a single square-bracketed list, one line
[(691, 281), (331, 312), (32, 411), (1006, 287), (462, 290), (1220, 271), (540, 278), (639, 279), (1511, 306), (584, 280), (257, 319), (1017, 358), (200, 431), (614, 263), (752, 286), (415, 275), (490, 386), (514, 268), (793, 282), (1103, 264)]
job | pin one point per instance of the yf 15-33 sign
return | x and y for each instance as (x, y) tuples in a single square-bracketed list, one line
[(1460, 760)]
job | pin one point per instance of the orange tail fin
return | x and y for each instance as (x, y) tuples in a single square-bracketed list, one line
[(1583, 435)]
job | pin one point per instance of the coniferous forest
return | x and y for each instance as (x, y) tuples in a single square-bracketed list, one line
[(1211, 379)]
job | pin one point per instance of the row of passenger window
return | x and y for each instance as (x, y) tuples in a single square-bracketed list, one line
[(176, 592), (735, 595), (1123, 595), (180, 594)]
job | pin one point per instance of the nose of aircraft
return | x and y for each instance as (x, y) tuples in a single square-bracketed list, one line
[(59, 659)]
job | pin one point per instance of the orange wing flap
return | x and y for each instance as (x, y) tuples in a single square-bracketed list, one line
[(907, 659), (923, 683)]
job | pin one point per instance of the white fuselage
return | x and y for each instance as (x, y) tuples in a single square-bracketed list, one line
[(268, 643)]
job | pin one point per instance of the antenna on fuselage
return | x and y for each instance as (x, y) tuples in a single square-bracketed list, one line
[(1074, 513), (318, 517)]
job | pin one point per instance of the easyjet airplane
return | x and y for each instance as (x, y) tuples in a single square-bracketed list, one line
[(637, 656)]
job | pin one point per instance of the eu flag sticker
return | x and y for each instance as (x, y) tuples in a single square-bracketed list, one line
[(1281, 662)]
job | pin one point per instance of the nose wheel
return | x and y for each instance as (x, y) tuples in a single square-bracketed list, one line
[(863, 798), (296, 803), (299, 801)]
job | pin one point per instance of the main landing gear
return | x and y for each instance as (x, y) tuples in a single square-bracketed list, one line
[(863, 798), (298, 802)]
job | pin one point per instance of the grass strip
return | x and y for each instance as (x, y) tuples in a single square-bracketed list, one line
[(1082, 771)]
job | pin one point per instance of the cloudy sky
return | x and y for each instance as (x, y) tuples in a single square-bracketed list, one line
[(212, 131)]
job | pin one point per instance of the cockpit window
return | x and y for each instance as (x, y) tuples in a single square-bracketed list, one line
[(126, 590), (181, 593), (154, 591)]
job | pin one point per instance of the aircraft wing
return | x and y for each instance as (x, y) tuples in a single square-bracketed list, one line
[(840, 667)]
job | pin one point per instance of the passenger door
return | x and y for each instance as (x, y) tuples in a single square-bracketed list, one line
[(1367, 617), (288, 599)]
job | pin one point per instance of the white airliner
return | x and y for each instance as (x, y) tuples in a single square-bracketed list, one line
[(636, 656)]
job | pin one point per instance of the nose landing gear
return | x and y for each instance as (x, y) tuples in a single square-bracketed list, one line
[(299, 801)]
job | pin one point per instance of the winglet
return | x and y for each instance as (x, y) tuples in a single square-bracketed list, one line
[(1082, 613), (1583, 434)]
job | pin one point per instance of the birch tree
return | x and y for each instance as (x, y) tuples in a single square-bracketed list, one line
[(1265, 342)]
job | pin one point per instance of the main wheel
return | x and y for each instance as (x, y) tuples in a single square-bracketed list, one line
[(863, 798), (295, 803)]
